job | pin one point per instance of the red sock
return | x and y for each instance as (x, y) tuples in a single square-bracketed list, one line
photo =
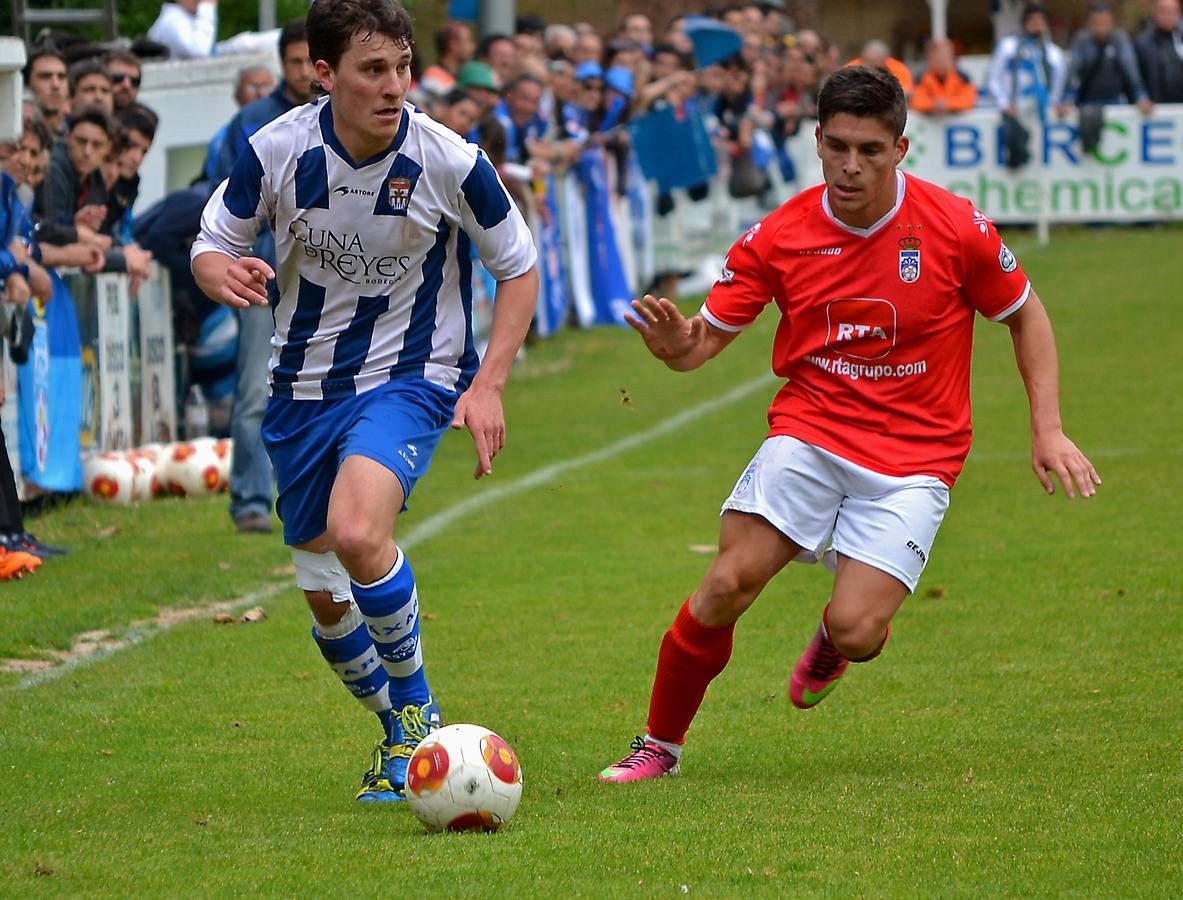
[(691, 655)]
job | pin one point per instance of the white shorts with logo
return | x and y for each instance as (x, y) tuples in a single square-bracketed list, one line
[(817, 499)]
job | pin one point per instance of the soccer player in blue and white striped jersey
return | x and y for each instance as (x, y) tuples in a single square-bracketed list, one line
[(375, 210)]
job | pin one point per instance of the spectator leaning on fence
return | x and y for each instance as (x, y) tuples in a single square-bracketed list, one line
[(91, 86), (189, 28), (943, 88), (45, 76), (253, 83), (1027, 71), (1160, 53), (1102, 68)]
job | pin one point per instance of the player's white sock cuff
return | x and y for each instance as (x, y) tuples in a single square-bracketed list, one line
[(675, 749), (347, 625), (399, 557)]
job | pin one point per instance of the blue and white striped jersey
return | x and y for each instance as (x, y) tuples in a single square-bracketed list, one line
[(375, 258)]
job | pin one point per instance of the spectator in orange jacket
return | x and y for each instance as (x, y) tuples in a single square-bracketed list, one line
[(943, 88), (877, 55)]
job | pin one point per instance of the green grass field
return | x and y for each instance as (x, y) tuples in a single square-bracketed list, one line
[(1020, 736)]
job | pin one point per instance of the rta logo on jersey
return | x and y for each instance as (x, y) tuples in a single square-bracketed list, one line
[(909, 259), (345, 254), (860, 327)]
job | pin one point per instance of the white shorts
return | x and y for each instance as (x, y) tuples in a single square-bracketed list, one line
[(816, 498)]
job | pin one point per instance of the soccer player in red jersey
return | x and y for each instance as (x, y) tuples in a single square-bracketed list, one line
[(877, 276)]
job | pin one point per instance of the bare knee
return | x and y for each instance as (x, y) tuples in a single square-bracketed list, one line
[(857, 633), (725, 593), (362, 548)]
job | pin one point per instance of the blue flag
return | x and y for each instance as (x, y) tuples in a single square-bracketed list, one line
[(51, 396), (552, 295), (655, 133), (610, 290)]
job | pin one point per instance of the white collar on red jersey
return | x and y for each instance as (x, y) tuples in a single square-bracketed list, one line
[(900, 188)]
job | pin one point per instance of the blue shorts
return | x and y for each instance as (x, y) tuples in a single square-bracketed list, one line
[(398, 425)]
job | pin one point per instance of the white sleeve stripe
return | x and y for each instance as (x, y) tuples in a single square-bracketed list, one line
[(1014, 306), (717, 322)]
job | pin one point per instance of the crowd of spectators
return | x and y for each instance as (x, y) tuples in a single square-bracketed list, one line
[(534, 100)]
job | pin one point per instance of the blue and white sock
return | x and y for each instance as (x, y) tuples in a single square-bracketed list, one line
[(349, 651), (391, 609)]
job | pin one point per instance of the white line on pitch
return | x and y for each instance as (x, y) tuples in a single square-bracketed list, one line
[(435, 524)]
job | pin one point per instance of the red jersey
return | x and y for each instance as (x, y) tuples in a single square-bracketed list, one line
[(876, 325)]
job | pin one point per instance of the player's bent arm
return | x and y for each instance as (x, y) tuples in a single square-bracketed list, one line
[(514, 303), (1051, 450), (232, 282)]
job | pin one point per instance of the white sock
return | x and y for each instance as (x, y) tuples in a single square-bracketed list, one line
[(675, 749)]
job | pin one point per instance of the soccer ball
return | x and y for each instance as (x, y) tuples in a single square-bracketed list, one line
[(464, 778), (109, 477), (190, 469)]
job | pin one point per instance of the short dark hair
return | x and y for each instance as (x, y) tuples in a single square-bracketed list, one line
[(92, 115), (1033, 9), (331, 25), (136, 117), (82, 69), (123, 56), (40, 51), (294, 32), (529, 24), (1094, 8), (482, 49), (518, 80), (457, 95), (36, 127), (866, 92)]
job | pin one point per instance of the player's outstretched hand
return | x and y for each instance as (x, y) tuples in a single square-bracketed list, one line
[(1056, 453), (667, 333), (245, 283), (480, 412)]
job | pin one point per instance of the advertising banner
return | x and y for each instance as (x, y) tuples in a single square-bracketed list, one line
[(114, 363), (158, 406), (1134, 175)]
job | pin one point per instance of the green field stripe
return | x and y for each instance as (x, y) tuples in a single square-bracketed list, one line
[(434, 525)]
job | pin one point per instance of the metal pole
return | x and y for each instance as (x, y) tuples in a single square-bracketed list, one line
[(939, 18), (496, 17), (266, 14)]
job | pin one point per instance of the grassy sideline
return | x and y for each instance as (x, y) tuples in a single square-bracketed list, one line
[(1020, 735)]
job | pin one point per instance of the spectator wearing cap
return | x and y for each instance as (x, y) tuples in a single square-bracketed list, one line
[(1028, 71), (454, 46), (126, 72), (188, 28), (46, 78), (1160, 53), (943, 88), (91, 85), (577, 114), (876, 54), (480, 82), (500, 54)]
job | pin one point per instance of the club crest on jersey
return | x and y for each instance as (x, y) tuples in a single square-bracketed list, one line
[(909, 260), (398, 192)]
